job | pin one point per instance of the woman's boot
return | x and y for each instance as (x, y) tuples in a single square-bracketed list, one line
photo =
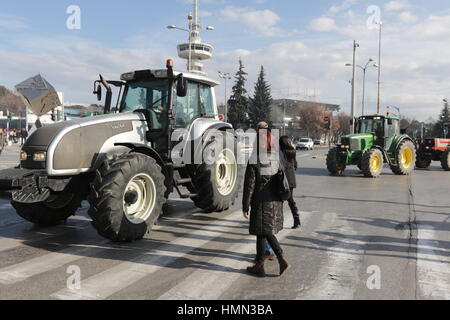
[(284, 265), (257, 269), (297, 223)]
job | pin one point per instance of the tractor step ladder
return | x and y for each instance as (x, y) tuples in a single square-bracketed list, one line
[(182, 182)]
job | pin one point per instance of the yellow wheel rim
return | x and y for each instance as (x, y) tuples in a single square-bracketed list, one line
[(407, 157), (375, 163)]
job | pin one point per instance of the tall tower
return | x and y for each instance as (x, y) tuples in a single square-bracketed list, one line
[(195, 51)]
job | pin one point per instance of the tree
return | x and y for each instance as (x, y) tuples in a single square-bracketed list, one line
[(311, 120), (260, 106), (238, 110), (443, 119)]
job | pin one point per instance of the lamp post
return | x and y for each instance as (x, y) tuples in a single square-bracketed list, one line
[(364, 69), (380, 24), (226, 76), (355, 45), (192, 26)]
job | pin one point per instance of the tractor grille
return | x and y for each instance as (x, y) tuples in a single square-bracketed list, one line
[(354, 144), (345, 141)]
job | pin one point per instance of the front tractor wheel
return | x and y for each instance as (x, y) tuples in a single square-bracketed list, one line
[(406, 158), (372, 163), (217, 181), (333, 164), (51, 212), (127, 197), (422, 162), (445, 160)]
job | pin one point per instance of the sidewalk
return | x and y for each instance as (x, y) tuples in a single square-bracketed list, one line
[(10, 156)]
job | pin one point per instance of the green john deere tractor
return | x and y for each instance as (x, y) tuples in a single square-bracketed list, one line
[(378, 140)]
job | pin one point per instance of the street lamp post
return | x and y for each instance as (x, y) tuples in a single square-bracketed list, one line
[(190, 31), (226, 76), (355, 45), (364, 69), (380, 24)]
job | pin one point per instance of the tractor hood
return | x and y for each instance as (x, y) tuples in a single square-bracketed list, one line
[(72, 146), (358, 141)]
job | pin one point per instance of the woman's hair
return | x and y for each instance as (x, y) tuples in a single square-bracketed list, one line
[(287, 148), (266, 143)]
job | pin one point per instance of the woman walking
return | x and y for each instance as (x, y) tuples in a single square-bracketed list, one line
[(289, 160), (262, 196)]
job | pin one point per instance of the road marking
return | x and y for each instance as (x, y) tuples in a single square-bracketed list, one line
[(22, 271), (433, 277), (8, 243), (211, 284), (338, 279), (113, 280)]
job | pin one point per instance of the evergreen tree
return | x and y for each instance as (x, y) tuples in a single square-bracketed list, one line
[(443, 119), (237, 112), (260, 107)]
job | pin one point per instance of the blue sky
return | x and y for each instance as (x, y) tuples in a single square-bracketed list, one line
[(304, 45)]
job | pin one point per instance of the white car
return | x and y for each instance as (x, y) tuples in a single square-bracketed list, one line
[(305, 144)]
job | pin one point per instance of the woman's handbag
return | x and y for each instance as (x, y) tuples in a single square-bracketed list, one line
[(284, 189)]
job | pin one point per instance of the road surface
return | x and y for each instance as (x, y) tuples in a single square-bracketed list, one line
[(386, 238)]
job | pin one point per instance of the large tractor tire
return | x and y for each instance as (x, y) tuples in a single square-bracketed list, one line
[(218, 180), (332, 162), (127, 197), (49, 213), (445, 160), (372, 163), (422, 162), (406, 158)]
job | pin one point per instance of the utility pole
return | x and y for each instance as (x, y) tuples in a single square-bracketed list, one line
[(380, 24), (352, 129)]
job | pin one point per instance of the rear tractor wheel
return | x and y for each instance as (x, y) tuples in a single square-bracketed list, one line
[(445, 160), (406, 158), (218, 180), (127, 197), (333, 164)]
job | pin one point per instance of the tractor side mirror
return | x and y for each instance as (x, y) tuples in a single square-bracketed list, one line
[(99, 92), (182, 87)]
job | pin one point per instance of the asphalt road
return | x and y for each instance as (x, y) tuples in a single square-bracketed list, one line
[(386, 238)]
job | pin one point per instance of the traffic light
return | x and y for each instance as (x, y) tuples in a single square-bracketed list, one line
[(327, 122), (53, 115)]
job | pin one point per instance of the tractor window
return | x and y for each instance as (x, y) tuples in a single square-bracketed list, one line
[(151, 95), (187, 108), (206, 100), (393, 129), (370, 126)]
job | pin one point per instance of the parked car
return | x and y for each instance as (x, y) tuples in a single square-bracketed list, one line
[(317, 142), (305, 144)]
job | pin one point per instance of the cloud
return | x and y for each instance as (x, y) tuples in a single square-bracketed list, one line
[(435, 27), (344, 5), (262, 21), (8, 22), (323, 24), (407, 17), (397, 5)]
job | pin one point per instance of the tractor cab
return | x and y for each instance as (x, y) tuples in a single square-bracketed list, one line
[(169, 100), (446, 131), (383, 128)]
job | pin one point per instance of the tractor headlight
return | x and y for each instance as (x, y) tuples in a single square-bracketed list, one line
[(40, 156), (23, 156)]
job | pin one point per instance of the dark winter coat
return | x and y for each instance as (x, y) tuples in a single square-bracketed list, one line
[(289, 161), (261, 194)]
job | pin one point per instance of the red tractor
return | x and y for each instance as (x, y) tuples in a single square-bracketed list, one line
[(437, 149)]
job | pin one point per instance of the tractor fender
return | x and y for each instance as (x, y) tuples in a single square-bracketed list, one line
[(194, 141), (383, 151), (144, 149)]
